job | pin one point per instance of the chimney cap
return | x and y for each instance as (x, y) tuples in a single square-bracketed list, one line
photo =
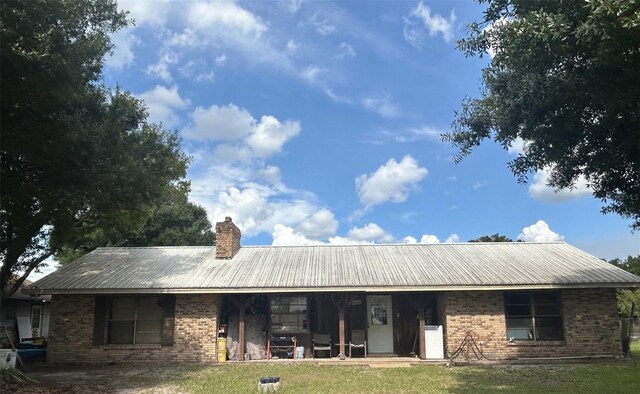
[(228, 219)]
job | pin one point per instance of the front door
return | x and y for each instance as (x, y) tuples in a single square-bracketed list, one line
[(380, 322)]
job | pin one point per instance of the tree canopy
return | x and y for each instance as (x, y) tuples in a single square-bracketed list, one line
[(74, 155), (564, 81), (492, 238), (173, 222), (627, 297)]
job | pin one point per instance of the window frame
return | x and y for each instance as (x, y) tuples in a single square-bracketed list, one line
[(301, 317), (136, 306), (533, 315), (102, 320)]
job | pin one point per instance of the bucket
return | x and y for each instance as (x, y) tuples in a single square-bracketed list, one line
[(222, 349)]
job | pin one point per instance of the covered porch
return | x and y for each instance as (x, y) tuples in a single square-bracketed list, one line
[(284, 326)]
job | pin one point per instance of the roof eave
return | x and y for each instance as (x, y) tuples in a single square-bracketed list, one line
[(371, 289)]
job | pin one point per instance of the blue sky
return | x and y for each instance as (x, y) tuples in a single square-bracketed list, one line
[(319, 122)]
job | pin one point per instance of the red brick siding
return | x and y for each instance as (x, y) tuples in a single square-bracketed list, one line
[(71, 333), (590, 323)]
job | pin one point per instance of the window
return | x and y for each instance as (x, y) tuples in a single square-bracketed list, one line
[(289, 315), (135, 320), (533, 316), (36, 313)]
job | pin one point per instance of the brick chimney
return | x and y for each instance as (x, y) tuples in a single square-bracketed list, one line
[(227, 239)]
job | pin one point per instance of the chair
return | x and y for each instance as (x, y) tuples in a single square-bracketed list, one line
[(321, 342), (357, 341)]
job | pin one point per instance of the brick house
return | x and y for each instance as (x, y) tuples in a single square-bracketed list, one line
[(507, 300)]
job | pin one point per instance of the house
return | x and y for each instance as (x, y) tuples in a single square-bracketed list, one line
[(505, 300), (24, 316)]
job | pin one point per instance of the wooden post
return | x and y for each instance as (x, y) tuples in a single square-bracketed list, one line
[(242, 305), (341, 309), (421, 324)]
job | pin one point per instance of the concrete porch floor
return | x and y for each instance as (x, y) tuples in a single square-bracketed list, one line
[(373, 362)]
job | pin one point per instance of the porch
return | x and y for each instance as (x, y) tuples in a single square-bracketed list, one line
[(391, 325)]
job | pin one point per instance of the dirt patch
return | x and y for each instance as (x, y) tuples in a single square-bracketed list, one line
[(99, 379)]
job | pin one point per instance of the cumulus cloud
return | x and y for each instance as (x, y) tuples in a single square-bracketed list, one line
[(368, 234), (517, 147), (163, 104), (453, 238), (409, 240), (270, 135), (154, 13), (382, 106), (420, 21), (429, 239), (161, 69), (220, 123), (392, 181), (124, 42), (540, 190), (539, 232), (371, 232), (321, 225), (228, 15)]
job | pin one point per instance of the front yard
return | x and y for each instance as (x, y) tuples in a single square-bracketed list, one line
[(307, 378)]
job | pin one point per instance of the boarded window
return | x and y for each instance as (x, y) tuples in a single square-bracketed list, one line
[(535, 316)]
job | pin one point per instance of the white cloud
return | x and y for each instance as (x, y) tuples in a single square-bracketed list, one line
[(227, 15), (517, 147), (371, 232), (409, 240), (453, 238), (323, 26), (146, 12), (429, 239), (539, 232), (161, 69), (292, 46), (221, 123), (320, 225), (392, 181), (345, 50), (122, 57), (286, 236), (291, 6), (540, 190), (480, 185), (270, 135), (312, 73), (221, 60), (163, 103), (382, 106), (187, 38), (420, 19)]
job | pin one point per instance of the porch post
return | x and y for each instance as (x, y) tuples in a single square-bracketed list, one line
[(421, 326), (341, 330), (242, 306)]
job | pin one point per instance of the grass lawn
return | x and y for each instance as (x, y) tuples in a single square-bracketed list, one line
[(615, 377)]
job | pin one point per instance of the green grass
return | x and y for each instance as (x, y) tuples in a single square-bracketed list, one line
[(615, 377)]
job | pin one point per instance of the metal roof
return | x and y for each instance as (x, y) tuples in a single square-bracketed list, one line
[(413, 267)]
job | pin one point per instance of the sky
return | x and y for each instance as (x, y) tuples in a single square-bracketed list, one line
[(316, 122)]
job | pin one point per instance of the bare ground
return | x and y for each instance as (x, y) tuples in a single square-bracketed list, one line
[(98, 379)]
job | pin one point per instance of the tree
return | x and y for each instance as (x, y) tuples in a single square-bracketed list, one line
[(74, 156), (626, 297), (492, 238), (173, 223), (564, 81)]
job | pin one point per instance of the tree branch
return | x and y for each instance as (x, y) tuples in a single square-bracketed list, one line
[(33, 265)]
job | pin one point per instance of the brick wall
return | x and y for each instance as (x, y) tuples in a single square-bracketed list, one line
[(590, 323), (227, 239), (71, 333)]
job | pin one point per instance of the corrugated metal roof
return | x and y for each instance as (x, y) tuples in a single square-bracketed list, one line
[(335, 268)]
